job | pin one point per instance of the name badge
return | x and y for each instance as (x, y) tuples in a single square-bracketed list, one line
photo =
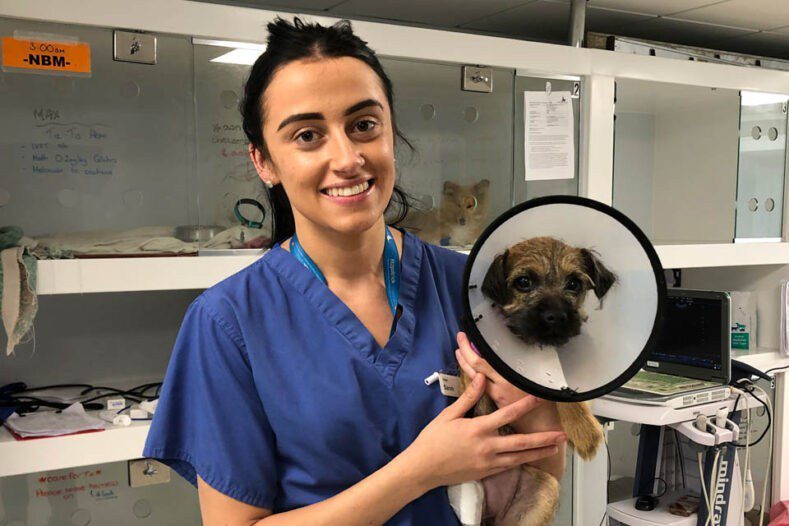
[(450, 385)]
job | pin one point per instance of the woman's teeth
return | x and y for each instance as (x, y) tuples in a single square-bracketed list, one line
[(348, 191)]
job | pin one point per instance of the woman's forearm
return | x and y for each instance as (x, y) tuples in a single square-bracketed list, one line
[(371, 501)]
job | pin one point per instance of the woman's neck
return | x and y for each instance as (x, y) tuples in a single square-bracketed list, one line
[(345, 257)]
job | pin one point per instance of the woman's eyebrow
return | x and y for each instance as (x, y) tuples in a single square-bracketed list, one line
[(319, 116), (363, 104), (301, 117)]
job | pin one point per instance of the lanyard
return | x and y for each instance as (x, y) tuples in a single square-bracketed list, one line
[(391, 268)]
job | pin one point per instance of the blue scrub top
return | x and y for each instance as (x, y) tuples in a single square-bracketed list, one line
[(279, 397)]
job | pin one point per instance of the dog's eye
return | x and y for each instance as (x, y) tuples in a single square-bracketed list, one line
[(523, 284), (573, 284)]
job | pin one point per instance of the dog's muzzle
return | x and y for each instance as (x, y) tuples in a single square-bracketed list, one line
[(551, 322)]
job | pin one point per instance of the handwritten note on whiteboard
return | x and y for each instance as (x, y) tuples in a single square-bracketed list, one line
[(549, 147)]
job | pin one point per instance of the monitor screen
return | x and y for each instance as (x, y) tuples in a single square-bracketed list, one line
[(694, 341)]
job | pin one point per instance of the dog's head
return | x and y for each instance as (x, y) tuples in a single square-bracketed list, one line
[(540, 286), (464, 204)]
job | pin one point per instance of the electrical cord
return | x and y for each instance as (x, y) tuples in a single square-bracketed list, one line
[(709, 498), (746, 465), (769, 456), (665, 486), (125, 394), (681, 458), (55, 386), (133, 419), (608, 476), (750, 388), (12, 395)]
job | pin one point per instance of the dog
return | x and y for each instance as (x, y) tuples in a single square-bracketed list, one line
[(539, 285), (459, 219)]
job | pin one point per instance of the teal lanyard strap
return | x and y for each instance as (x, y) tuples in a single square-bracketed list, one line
[(391, 269)]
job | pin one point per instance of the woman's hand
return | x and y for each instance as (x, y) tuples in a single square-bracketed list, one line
[(545, 416), (499, 390), (452, 449)]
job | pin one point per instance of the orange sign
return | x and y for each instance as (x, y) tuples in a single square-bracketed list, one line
[(71, 57)]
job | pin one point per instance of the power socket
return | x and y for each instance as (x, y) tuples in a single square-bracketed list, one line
[(147, 472)]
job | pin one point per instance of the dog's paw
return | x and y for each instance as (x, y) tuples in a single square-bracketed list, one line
[(584, 432), (586, 439)]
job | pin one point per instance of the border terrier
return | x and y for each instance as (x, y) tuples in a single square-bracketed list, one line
[(539, 285)]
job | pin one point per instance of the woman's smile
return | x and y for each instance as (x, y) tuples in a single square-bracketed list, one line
[(350, 193)]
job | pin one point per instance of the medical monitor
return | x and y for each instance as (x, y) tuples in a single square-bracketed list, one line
[(695, 340)]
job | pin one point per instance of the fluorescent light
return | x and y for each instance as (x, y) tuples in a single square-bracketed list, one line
[(755, 98), (243, 56)]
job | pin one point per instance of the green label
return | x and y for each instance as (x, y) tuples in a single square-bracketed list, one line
[(740, 340)]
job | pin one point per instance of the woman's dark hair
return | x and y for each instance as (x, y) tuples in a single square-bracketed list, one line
[(288, 42)]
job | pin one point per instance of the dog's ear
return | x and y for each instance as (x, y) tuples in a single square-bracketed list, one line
[(481, 187), (602, 278), (450, 188), (494, 286)]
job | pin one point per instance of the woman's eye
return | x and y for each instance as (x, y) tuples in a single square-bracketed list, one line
[(307, 136), (365, 126), (523, 284), (573, 285)]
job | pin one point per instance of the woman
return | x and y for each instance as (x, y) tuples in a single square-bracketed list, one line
[(295, 393)]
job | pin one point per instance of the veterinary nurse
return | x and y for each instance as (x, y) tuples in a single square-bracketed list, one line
[(295, 393)]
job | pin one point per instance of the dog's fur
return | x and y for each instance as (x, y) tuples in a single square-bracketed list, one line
[(539, 285), (460, 217)]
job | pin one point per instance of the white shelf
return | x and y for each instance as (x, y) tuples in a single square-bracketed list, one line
[(78, 276), (763, 359), (723, 255), (46, 454), (625, 512), (81, 276)]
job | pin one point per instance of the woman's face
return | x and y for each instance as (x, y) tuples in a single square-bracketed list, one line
[(328, 129)]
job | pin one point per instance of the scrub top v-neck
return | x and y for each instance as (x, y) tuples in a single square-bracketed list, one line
[(278, 396)]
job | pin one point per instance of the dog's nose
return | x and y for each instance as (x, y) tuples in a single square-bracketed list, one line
[(462, 221), (554, 317)]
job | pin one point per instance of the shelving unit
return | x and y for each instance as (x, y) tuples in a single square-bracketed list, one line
[(599, 71), (82, 276), (126, 443), (45, 454), (723, 255)]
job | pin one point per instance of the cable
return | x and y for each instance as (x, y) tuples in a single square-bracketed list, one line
[(768, 409), (769, 457), (681, 458), (665, 486), (709, 498), (133, 419), (11, 396), (608, 476), (105, 395), (781, 368), (713, 485), (746, 386), (703, 486), (746, 465), (55, 386)]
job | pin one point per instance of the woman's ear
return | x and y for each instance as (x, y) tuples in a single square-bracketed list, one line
[(263, 166)]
